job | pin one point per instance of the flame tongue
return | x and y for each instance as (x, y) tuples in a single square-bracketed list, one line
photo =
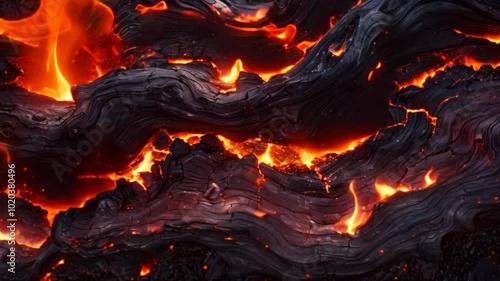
[(57, 35)]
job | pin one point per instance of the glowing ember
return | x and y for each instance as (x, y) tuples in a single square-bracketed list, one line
[(385, 191), (160, 6), (259, 214), (180, 60), (358, 217), (420, 79), (235, 72), (233, 75), (429, 180), (145, 270), (286, 33), (56, 34), (332, 21), (305, 45), (253, 17), (46, 277), (280, 156), (494, 38), (379, 65), (338, 51), (357, 4)]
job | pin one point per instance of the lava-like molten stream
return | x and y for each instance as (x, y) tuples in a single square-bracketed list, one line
[(62, 45)]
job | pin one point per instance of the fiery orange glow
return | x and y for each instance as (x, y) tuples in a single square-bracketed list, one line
[(235, 72), (259, 214), (305, 45), (420, 79), (476, 64), (253, 17), (54, 207), (22, 239), (55, 34), (145, 270), (385, 191), (357, 4), (379, 65), (358, 216), (160, 6), (494, 38), (46, 277), (285, 34), (283, 155), (180, 60), (333, 20), (232, 76), (429, 180), (337, 52)]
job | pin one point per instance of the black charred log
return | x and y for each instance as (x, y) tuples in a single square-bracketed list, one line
[(207, 213)]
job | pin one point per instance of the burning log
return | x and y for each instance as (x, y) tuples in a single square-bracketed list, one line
[(431, 170), (287, 225)]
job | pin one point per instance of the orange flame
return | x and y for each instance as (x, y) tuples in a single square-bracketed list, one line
[(429, 180), (379, 65), (235, 72), (337, 52), (358, 217), (254, 17), (160, 6), (385, 191), (145, 270), (357, 4), (305, 45), (286, 33), (494, 38), (56, 33), (22, 239)]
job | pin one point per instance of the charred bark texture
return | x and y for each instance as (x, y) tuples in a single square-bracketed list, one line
[(207, 196), (254, 219)]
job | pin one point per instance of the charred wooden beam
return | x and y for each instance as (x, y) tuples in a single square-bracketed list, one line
[(283, 225)]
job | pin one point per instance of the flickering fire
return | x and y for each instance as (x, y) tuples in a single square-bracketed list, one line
[(337, 52), (305, 45), (145, 270), (285, 34), (495, 38), (430, 180), (235, 72), (22, 239), (57, 34), (379, 65), (383, 191), (252, 17), (160, 6), (358, 217)]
